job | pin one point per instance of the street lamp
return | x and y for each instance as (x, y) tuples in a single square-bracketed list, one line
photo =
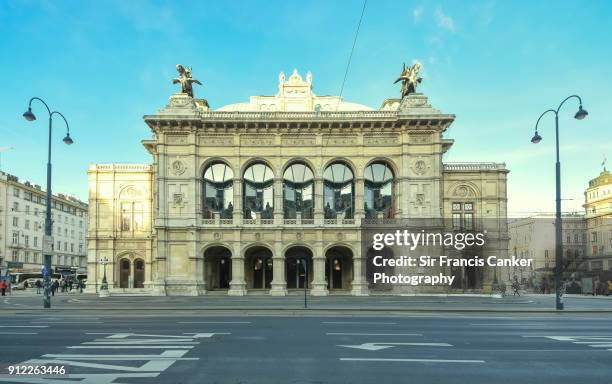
[(48, 240), (305, 263), (104, 287), (581, 114)]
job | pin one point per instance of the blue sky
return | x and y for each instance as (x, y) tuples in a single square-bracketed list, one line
[(495, 64)]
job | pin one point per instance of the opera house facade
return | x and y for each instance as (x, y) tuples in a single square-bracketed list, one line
[(236, 198)]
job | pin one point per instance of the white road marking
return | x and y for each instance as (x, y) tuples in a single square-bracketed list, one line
[(129, 346), (111, 368), (213, 322), (24, 326), (358, 322), (18, 333), (66, 322), (379, 346), (511, 325), (371, 334), (411, 360)]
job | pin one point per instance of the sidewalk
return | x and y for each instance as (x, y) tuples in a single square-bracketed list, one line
[(403, 304)]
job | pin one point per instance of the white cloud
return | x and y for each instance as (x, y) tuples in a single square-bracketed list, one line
[(444, 21), (417, 12)]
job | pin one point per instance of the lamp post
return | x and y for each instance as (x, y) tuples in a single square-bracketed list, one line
[(48, 240), (104, 287), (581, 114), (305, 263)]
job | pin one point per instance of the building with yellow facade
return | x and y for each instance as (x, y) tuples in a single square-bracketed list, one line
[(598, 211), (235, 197)]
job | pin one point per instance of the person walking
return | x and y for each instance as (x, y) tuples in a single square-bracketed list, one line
[(38, 285), (3, 287)]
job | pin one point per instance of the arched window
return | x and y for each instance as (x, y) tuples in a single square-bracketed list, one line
[(298, 191), (218, 191), (258, 191), (378, 199), (338, 191)]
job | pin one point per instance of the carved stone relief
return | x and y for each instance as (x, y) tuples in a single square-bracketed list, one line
[(340, 140), (380, 140), (176, 139), (298, 141), (216, 141), (257, 140), (178, 167)]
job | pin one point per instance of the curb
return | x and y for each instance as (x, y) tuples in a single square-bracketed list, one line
[(269, 309)]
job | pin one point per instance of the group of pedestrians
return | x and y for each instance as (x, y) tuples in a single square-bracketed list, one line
[(61, 285)]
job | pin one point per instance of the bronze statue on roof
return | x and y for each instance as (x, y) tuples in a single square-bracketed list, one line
[(185, 80), (409, 78)]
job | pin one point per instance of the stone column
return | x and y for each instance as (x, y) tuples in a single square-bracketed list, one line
[(238, 213), (319, 284), (359, 196), (238, 284), (318, 201), (279, 284), (278, 201), (359, 287)]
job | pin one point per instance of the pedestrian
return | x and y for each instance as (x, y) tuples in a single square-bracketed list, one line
[(3, 287), (70, 285), (516, 286), (38, 285)]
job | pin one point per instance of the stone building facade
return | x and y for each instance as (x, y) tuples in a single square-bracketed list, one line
[(236, 197), (598, 211)]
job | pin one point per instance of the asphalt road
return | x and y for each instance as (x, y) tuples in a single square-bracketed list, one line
[(172, 347)]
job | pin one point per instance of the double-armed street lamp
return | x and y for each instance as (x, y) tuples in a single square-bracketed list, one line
[(581, 114), (48, 239), (104, 286)]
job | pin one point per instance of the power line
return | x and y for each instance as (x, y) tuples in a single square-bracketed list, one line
[(348, 64)]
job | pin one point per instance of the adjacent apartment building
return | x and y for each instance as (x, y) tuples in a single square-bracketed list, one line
[(22, 217), (598, 209), (534, 238)]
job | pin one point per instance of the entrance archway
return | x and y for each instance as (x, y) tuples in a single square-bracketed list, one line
[(258, 264), (139, 275), (294, 269), (339, 268), (218, 267), (124, 273)]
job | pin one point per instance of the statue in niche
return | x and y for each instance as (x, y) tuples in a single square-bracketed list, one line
[(409, 78), (185, 80)]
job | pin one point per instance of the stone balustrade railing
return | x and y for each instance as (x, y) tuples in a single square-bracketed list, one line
[(349, 115), (473, 166)]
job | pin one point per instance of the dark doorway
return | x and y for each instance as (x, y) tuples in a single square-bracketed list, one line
[(259, 266), (295, 273), (124, 273), (218, 267), (139, 275), (338, 268)]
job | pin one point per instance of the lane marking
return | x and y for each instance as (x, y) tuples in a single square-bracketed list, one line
[(371, 334), (213, 322), (18, 333), (512, 325), (359, 322), (24, 326), (411, 360), (130, 346), (379, 346)]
